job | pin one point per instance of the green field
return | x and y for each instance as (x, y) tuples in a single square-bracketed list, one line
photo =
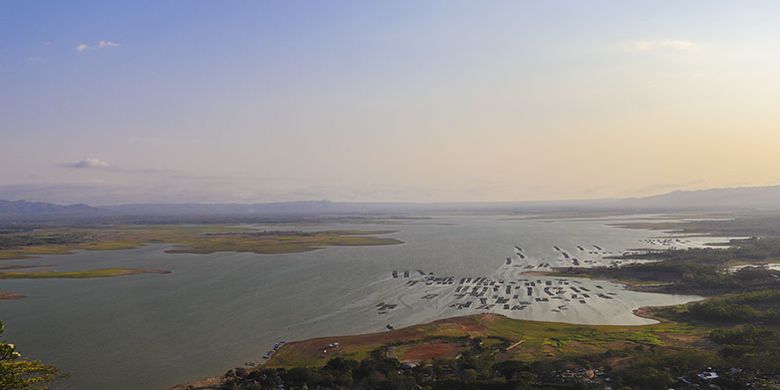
[(540, 340), (187, 239), (86, 274)]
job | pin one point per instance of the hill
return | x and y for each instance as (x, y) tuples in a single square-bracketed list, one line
[(765, 198), (25, 208), (719, 199)]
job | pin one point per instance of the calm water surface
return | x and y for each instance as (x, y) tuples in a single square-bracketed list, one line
[(217, 311)]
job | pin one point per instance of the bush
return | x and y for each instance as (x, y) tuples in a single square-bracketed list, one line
[(19, 373), (644, 378)]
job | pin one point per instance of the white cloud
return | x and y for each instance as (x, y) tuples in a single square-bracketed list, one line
[(105, 44), (88, 163), (671, 44), (102, 44)]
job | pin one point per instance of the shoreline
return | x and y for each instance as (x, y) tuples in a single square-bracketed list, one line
[(85, 274), (199, 239), (472, 326), (646, 312)]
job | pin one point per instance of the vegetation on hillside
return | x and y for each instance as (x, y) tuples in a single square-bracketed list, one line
[(19, 373), (703, 271), (483, 363)]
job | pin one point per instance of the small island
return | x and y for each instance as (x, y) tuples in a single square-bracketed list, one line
[(277, 242), (85, 274), (198, 239), (202, 239), (10, 296)]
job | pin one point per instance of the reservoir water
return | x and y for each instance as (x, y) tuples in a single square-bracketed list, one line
[(217, 311)]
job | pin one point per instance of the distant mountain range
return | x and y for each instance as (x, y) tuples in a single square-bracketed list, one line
[(303, 207), (761, 198), (22, 207)]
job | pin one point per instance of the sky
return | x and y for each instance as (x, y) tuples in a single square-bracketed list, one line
[(106, 102)]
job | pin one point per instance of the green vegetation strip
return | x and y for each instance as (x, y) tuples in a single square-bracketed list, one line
[(543, 340), (188, 239), (93, 273)]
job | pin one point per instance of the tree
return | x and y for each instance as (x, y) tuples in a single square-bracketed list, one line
[(17, 373), (644, 378)]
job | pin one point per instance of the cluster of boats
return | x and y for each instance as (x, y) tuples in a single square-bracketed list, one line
[(567, 257), (383, 308), (670, 242), (485, 293), (407, 274), (519, 294), (273, 350), (575, 260)]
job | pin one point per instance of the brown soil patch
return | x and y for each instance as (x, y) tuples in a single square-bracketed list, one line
[(428, 351), (10, 295), (214, 383)]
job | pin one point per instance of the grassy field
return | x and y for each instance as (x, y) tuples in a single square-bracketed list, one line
[(188, 239), (86, 274), (280, 242), (447, 338)]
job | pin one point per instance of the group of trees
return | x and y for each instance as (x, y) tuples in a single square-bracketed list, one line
[(702, 271), (480, 367), (12, 239), (18, 373), (755, 347), (750, 307), (362, 377), (746, 335), (642, 368), (755, 248), (381, 372), (476, 367)]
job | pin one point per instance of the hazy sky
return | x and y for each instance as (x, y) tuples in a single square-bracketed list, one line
[(110, 102)]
